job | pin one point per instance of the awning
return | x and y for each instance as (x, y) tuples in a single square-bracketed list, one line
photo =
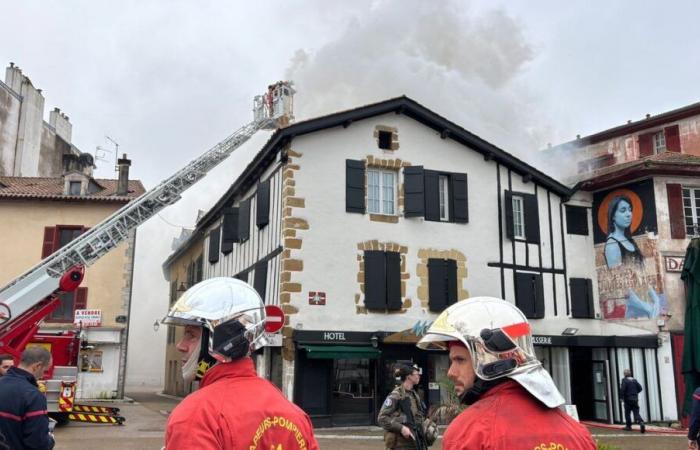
[(341, 352)]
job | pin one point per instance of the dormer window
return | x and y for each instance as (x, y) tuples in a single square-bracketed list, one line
[(74, 188)]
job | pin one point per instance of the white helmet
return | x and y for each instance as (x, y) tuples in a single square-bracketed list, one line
[(499, 340), (231, 313)]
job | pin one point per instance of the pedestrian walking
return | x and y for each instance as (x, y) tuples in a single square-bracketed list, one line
[(24, 421), (233, 409), (694, 425), (403, 412), (629, 393), (514, 402)]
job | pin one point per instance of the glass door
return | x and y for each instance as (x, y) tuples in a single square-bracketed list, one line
[(601, 391)]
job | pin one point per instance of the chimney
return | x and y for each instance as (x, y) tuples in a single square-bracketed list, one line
[(123, 184)]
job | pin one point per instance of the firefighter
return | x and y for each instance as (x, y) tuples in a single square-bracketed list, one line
[(398, 432), (6, 361), (233, 409), (514, 402)]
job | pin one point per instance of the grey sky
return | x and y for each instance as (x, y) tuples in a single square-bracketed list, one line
[(168, 79)]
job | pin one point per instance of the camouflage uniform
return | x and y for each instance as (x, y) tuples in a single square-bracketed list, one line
[(391, 418)]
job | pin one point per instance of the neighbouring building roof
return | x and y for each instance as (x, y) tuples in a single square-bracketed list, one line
[(25, 188), (667, 163)]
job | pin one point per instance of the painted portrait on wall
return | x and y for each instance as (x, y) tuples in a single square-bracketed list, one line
[(629, 284)]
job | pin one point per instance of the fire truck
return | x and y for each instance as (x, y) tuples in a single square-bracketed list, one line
[(29, 298)]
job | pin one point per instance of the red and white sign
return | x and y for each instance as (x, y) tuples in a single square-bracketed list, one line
[(274, 318), (317, 298), (88, 317), (674, 263)]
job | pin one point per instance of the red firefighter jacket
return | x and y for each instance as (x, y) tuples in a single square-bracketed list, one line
[(234, 409), (507, 417)]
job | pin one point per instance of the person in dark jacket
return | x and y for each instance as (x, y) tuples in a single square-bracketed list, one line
[(694, 425), (23, 417), (629, 393)]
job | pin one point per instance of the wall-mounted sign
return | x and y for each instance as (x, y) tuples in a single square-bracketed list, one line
[(674, 263), (317, 298), (273, 339), (88, 317)]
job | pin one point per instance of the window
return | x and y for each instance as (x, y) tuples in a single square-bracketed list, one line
[(529, 294), (442, 283), (74, 188), (381, 191), (68, 303), (385, 140), (582, 298), (443, 188), (576, 220), (382, 280), (58, 236), (659, 142), (691, 210), (518, 218)]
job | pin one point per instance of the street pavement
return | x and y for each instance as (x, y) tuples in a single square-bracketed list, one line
[(147, 414)]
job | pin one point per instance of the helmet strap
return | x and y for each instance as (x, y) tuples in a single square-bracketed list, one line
[(205, 359)]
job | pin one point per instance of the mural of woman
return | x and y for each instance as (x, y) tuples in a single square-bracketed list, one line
[(620, 247)]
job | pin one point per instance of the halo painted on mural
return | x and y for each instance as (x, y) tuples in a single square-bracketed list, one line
[(637, 209)]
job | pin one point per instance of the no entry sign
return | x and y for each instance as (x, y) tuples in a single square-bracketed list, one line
[(274, 318)]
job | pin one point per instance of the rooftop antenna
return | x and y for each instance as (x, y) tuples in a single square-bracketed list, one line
[(116, 152)]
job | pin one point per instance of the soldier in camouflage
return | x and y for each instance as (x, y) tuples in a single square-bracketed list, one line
[(398, 436)]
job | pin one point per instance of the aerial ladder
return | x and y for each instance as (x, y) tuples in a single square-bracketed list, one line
[(28, 299)]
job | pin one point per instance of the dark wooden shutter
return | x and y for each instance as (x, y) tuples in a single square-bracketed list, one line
[(190, 274), (582, 298), (437, 292), (673, 139), (214, 236), (244, 221), (393, 281), (260, 279), (48, 243), (532, 219), (460, 205), (262, 213), (354, 186), (413, 191), (646, 147), (229, 232), (538, 296), (375, 280), (529, 295), (80, 298), (508, 200), (675, 210), (576, 220), (432, 195), (451, 280), (199, 276)]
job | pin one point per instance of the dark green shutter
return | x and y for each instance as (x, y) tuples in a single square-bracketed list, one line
[(460, 206), (432, 195), (375, 280), (582, 298), (260, 278), (354, 186), (229, 233), (529, 295), (244, 221), (437, 292), (451, 280), (414, 203), (532, 218), (509, 214), (214, 238), (262, 212), (538, 296), (393, 281)]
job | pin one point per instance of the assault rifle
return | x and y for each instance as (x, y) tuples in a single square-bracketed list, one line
[(416, 428)]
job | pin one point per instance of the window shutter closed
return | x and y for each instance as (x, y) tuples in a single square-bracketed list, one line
[(229, 230), (460, 205), (81, 298), (451, 271), (375, 280), (673, 139), (354, 186), (48, 243), (576, 220), (393, 281), (214, 244), (432, 195), (532, 219), (437, 295), (645, 145), (582, 298), (509, 214), (244, 221), (675, 210), (529, 295), (262, 213), (260, 280), (413, 191)]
